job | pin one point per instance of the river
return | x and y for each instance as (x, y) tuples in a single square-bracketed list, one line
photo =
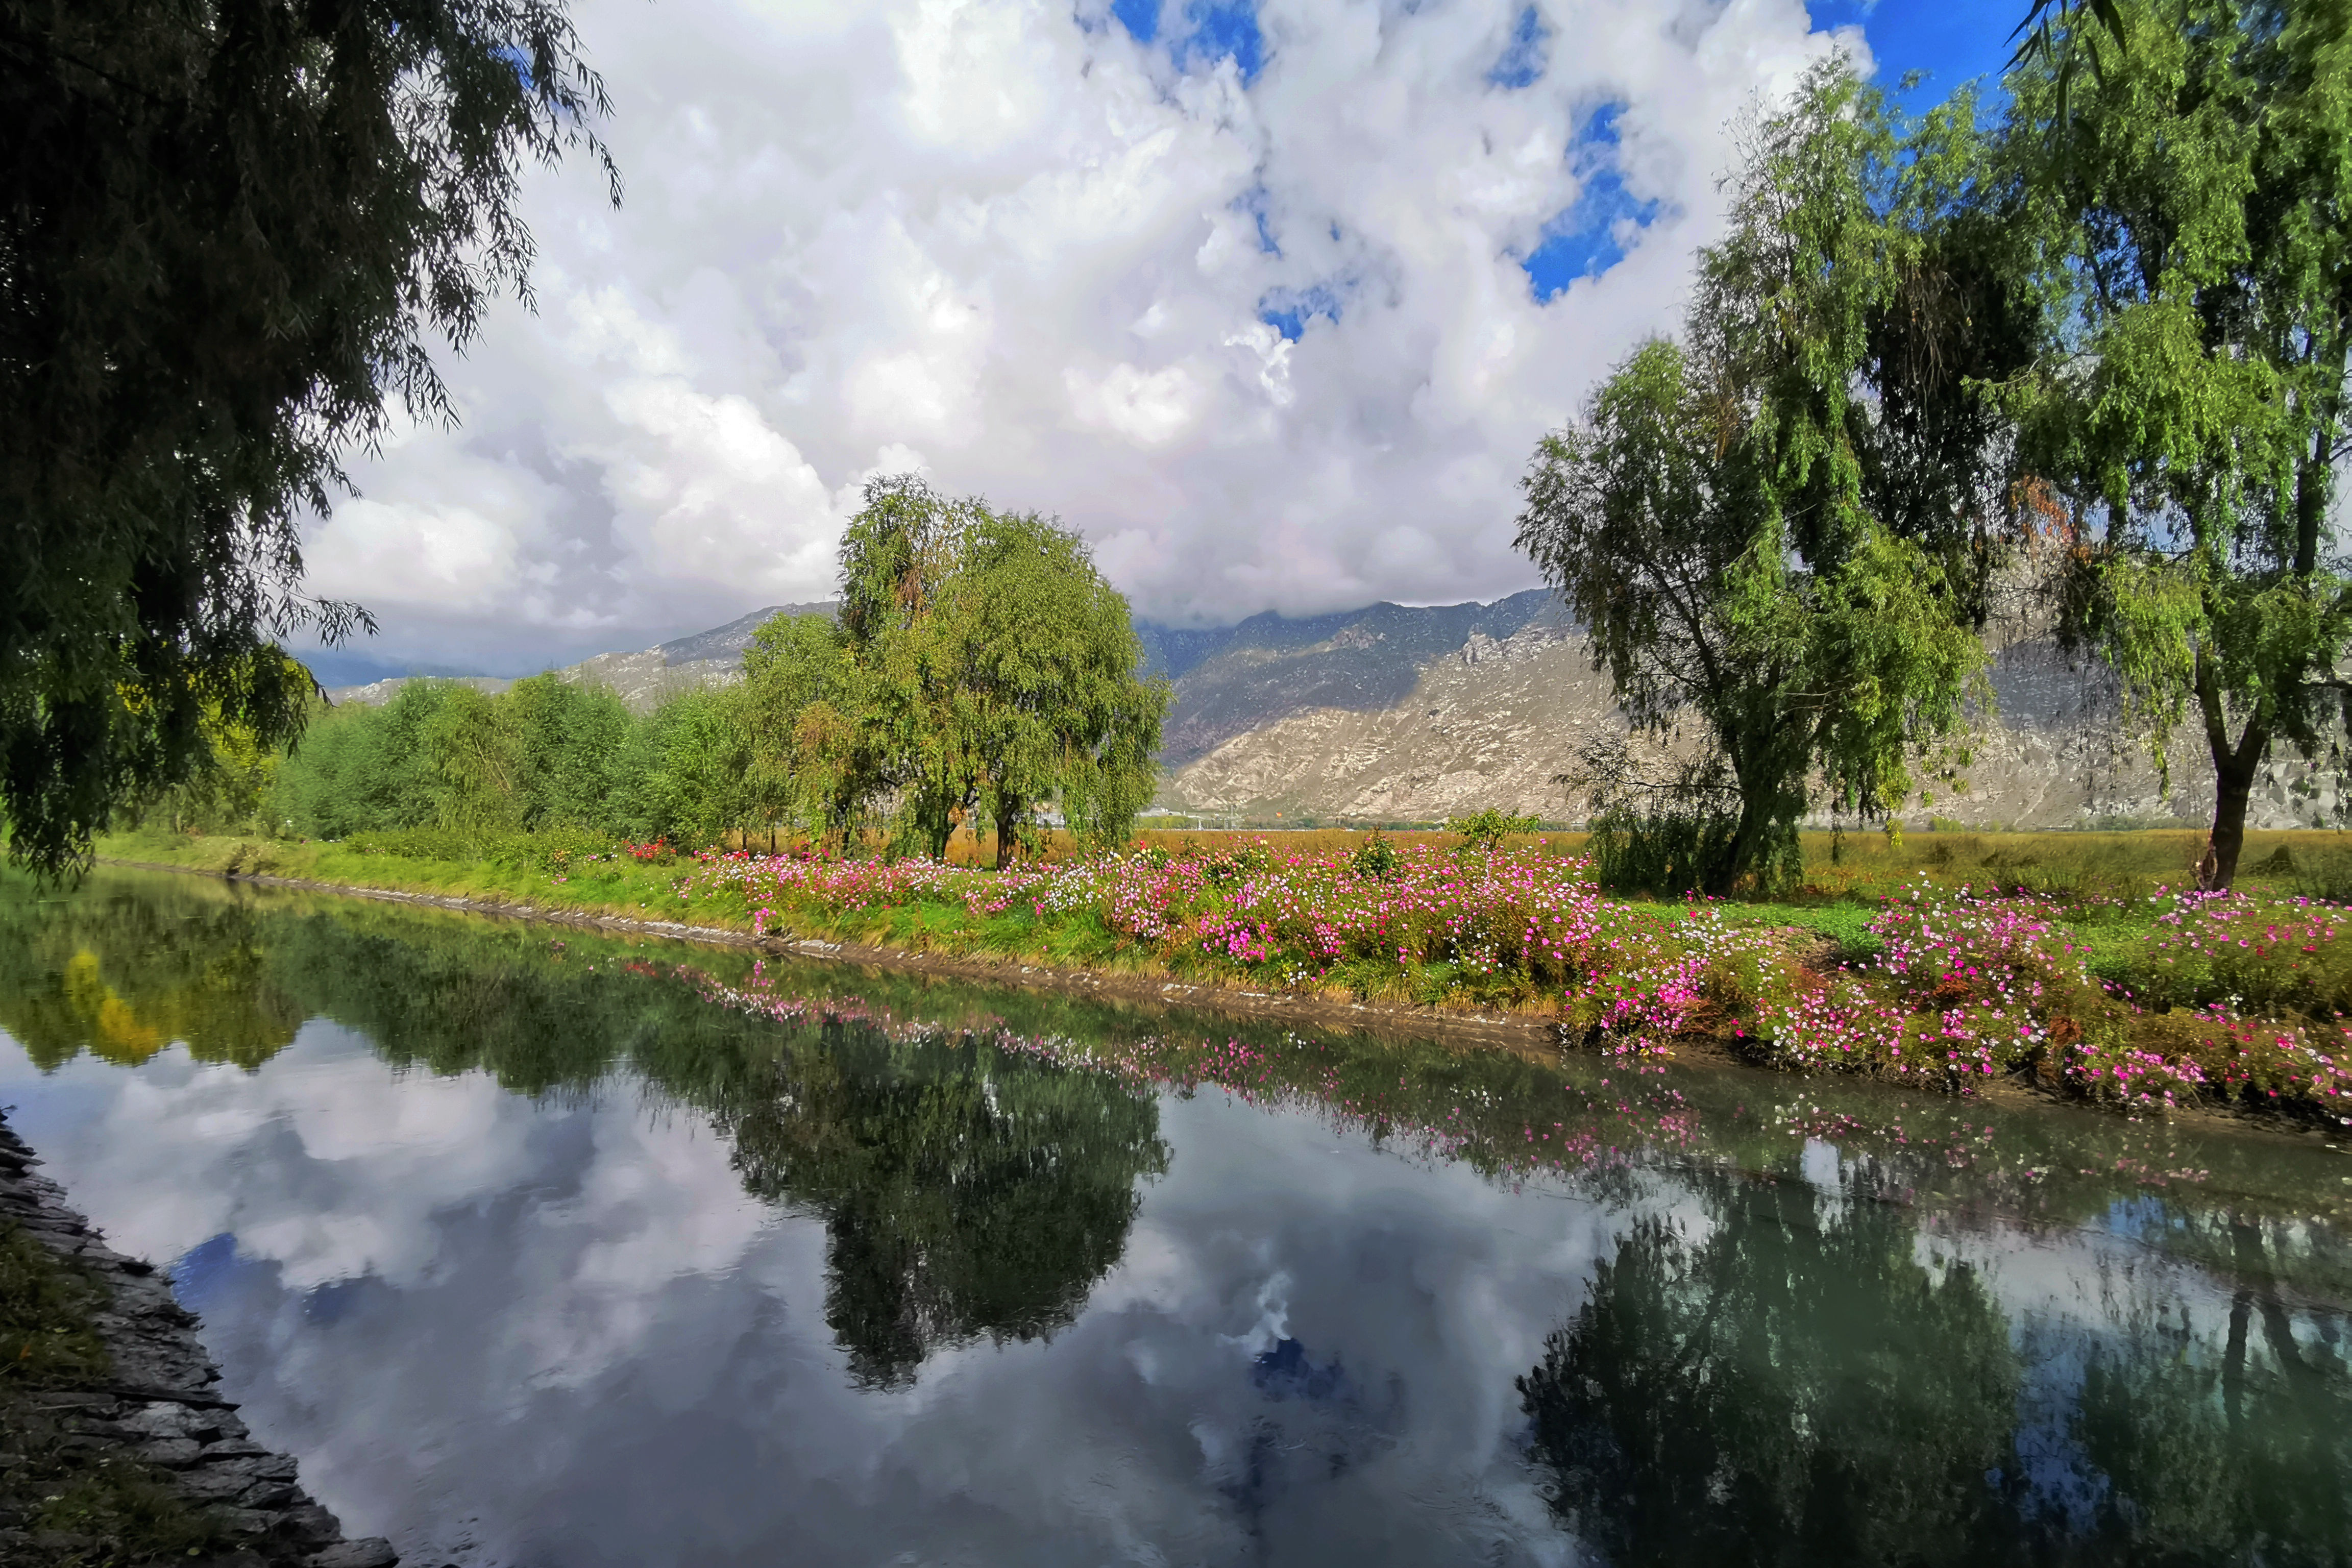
[(538, 1246)]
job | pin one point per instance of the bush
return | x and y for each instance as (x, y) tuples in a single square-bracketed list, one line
[(1225, 867), (419, 844), (1377, 857), (1485, 830), (1673, 853), (554, 848), (2325, 877)]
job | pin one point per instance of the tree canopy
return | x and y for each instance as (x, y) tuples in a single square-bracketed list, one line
[(228, 235), (1777, 526), (980, 669), (441, 754), (2187, 226)]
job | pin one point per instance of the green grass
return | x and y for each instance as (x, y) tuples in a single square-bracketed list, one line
[(625, 887), (2090, 894), (1844, 921)]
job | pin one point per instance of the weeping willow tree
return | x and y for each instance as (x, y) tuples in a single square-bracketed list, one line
[(1778, 527), (1049, 699), (2189, 211), (228, 234), (980, 669)]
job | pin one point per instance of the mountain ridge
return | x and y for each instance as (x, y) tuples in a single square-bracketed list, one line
[(1394, 712)]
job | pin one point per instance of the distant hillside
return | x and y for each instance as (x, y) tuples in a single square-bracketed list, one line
[(714, 657), (727, 643), (1398, 713), (1233, 680)]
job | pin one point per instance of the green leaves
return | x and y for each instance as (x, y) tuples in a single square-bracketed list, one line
[(2191, 250), (980, 669), (1903, 669), (1724, 518), (228, 233), (2053, 38)]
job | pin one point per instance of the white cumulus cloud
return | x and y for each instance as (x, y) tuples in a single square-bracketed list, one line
[(1269, 341)]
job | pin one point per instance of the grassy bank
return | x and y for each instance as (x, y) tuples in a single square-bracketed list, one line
[(2064, 960)]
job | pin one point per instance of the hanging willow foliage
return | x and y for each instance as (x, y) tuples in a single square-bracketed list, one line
[(228, 230)]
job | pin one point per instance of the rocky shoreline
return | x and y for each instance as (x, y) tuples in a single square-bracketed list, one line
[(159, 1410)]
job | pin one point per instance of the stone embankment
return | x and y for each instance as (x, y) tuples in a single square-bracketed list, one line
[(159, 1409)]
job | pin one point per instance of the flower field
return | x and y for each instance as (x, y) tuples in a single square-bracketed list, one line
[(2104, 990), (2143, 1003)]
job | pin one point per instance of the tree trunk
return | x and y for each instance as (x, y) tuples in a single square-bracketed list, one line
[(2232, 788), (2234, 1358), (1723, 878), (2234, 768), (2311, 487), (1008, 816)]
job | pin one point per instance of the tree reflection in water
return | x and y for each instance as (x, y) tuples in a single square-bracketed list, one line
[(1763, 1373), (121, 977), (965, 1192), (2240, 1455), (1795, 1378)]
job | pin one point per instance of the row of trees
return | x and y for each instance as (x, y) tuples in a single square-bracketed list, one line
[(2098, 348), (979, 672)]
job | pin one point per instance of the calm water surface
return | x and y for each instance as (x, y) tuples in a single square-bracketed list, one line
[(545, 1249)]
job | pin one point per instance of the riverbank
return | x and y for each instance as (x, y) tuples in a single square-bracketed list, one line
[(2144, 1003), (1534, 1033), (117, 1448)]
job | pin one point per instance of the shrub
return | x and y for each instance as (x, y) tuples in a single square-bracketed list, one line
[(1377, 857), (549, 850), (1485, 830), (420, 844), (1674, 852), (2324, 875)]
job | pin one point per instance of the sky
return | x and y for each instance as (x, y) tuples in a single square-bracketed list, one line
[(1270, 301)]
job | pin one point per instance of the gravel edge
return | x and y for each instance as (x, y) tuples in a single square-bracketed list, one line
[(162, 1409)]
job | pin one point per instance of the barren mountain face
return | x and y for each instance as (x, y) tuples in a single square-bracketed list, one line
[(1310, 729), (1399, 714)]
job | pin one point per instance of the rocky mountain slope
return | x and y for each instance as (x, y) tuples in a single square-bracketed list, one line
[(713, 657), (1396, 713), (1231, 680)]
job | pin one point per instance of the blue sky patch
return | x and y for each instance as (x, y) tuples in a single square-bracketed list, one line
[(1522, 63), (1139, 17), (1220, 28), (1288, 311), (1582, 242), (1953, 42), (1212, 30)]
